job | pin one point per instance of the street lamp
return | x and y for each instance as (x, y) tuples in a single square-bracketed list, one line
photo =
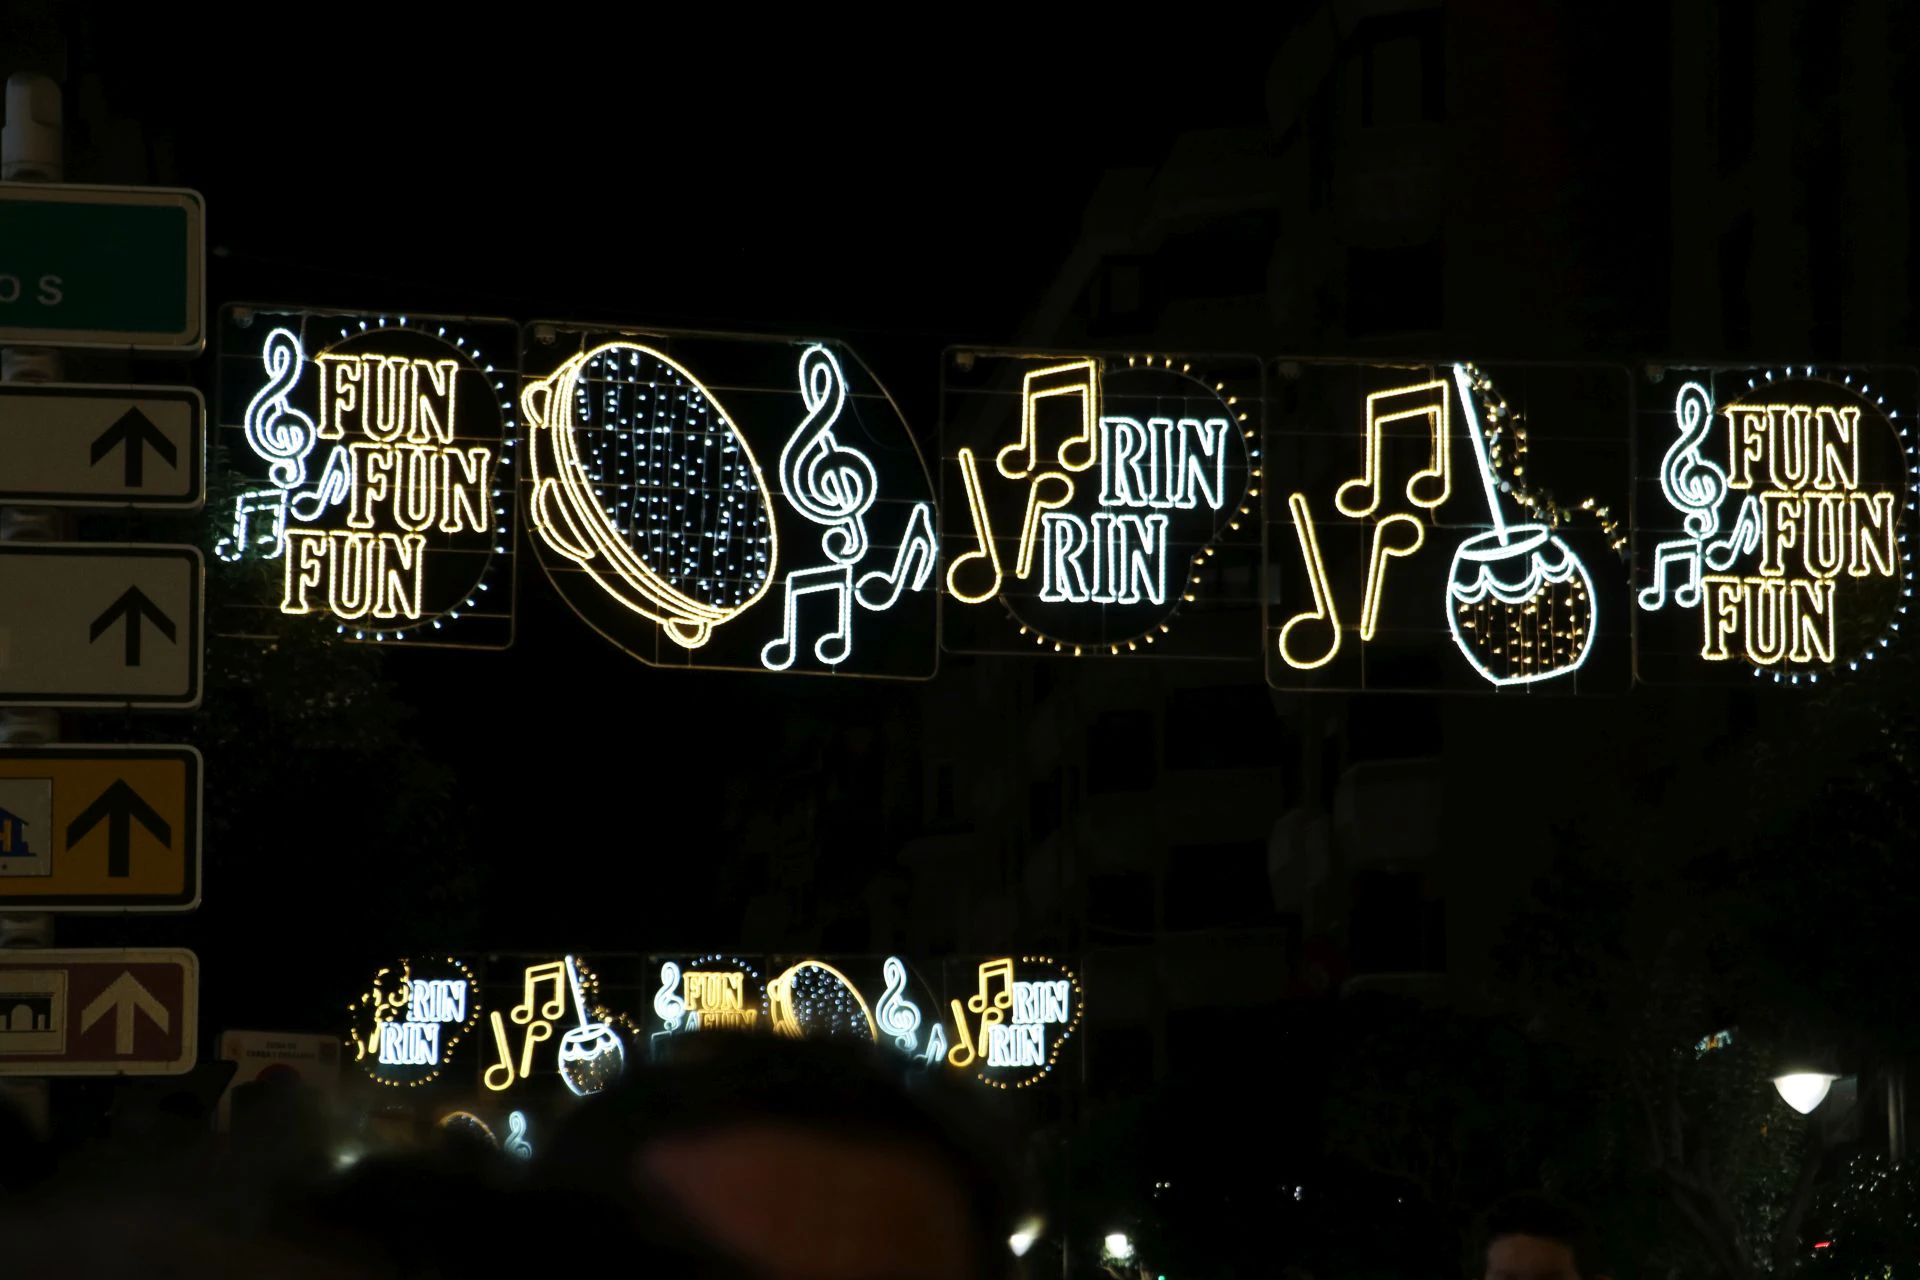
[(1804, 1090), (1119, 1247)]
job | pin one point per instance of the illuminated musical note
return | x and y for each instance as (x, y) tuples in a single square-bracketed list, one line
[(517, 1144), (898, 1016), (554, 971), (1684, 552), (835, 646), (1742, 540), (505, 1064), (275, 430), (1324, 611), (1074, 378), (985, 550), (1377, 564), (963, 1053), (271, 502), (335, 483), (1050, 490), (1429, 401), (915, 558)]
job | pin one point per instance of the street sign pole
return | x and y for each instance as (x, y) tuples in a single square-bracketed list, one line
[(31, 150)]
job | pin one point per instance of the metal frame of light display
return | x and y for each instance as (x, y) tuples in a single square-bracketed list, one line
[(1437, 479), (1085, 493), (1772, 537), (726, 502), (372, 457)]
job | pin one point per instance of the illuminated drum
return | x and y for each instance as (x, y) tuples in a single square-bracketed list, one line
[(642, 479)]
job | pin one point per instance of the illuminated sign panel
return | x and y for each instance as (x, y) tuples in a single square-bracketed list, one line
[(752, 504), (558, 1028), (1085, 496), (1011, 1026), (405, 1027), (374, 479), (1414, 546), (715, 992), (1773, 513)]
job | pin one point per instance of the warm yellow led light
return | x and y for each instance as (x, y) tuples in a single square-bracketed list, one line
[(1324, 610), (1384, 408), (1414, 535)]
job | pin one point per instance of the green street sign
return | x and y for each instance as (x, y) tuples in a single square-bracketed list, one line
[(118, 267)]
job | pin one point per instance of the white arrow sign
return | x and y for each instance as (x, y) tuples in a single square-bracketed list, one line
[(102, 446), (100, 624), (124, 997)]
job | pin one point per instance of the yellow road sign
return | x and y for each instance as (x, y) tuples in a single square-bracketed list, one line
[(101, 828)]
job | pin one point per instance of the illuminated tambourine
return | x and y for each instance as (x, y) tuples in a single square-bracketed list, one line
[(813, 999), (642, 479)]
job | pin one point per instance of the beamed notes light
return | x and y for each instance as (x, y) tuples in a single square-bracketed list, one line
[(1010, 1028), (373, 455), (1086, 494), (731, 503), (1422, 555), (1777, 542)]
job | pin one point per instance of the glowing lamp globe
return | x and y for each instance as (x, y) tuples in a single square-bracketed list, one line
[(1119, 1248), (1804, 1090)]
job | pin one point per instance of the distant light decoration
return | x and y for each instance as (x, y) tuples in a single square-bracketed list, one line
[(661, 526), (405, 1028), (1520, 603), (592, 1055), (519, 1033), (385, 443), (1011, 1030), (517, 1144), (814, 1000), (1790, 489), (1089, 518), (1713, 1043), (466, 1122), (711, 992)]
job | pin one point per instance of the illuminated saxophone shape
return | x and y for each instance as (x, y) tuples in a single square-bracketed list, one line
[(641, 478)]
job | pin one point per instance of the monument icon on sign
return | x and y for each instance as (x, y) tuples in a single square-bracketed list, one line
[(26, 824), (33, 1012)]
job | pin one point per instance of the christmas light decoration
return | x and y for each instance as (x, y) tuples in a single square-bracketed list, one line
[(1021, 1015), (813, 999), (405, 1028), (404, 525), (1168, 462), (642, 480), (1520, 606), (1822, 472)]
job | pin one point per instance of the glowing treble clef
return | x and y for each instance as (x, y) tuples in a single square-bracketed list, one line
[(275, 430), (1692, 483), (828, 483), (517, 1144), (899, 1017), (667, 1003), (1695, 487)]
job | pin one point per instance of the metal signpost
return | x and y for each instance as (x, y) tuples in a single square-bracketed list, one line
[(99, 829), (104, 828), (103, 446), (99, 1012), (100, 624), (116, 267)]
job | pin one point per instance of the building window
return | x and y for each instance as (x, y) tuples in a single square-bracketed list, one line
[(1120, 752), (1211, 886), (1402, 59), (1223, 727), (1121, 903), (1396, 290)]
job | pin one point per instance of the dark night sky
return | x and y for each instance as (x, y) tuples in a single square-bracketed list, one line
[(901, 184)]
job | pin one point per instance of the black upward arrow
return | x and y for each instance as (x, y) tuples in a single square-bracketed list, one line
[(136, 431), (117, 804), (131, 605)]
